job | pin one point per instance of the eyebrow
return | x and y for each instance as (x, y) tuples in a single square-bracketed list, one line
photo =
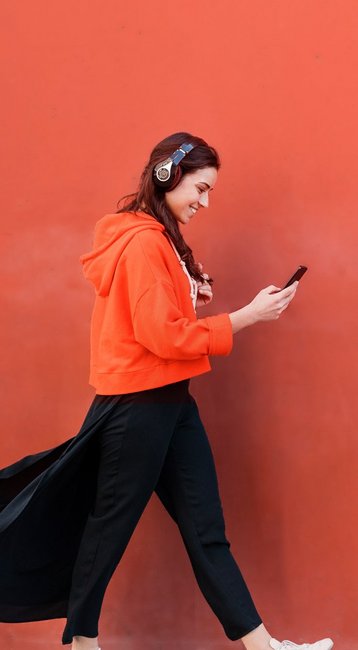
[(207, 185)]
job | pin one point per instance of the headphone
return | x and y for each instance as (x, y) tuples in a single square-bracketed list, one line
[(168, 173)]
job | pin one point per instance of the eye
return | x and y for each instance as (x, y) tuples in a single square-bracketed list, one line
[(200, 190)]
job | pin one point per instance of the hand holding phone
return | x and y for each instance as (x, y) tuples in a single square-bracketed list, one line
[(265, 307), (296, 276)]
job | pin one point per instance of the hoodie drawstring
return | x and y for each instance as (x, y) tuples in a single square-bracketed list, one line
[(192, 281)]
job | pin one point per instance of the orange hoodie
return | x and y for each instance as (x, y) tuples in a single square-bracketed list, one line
[(144, 329)]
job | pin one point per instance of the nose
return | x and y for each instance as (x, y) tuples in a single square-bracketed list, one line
[(204, 199)]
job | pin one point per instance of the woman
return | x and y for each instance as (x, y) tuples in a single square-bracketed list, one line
[(143, 431)]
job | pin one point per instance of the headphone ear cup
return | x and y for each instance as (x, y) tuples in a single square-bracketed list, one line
[(176, 178)]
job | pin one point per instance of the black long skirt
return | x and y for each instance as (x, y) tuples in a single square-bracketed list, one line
[(45, 499)]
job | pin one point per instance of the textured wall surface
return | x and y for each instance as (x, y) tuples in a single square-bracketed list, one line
[(88, 88)]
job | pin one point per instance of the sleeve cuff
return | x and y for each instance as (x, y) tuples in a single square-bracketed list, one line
[(221, 334)]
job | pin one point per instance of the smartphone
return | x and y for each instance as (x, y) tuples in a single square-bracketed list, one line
[(296, 276)]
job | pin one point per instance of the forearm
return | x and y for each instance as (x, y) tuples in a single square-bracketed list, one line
[(242, 318)]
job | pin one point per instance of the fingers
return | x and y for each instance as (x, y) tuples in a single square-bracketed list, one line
[(205, 283), (291, 289), (284, 292), (285, 297), (272, 289), (205, 275), (284, 304)]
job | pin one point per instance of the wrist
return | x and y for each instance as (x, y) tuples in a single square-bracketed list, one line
[(242, 318), (251, 314)]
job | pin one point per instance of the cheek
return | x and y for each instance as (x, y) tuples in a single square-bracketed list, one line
[(171, 200), (180, 198), (177, 202), (183, 200), (190, 197)]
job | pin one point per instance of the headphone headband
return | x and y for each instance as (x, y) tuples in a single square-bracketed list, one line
[(180, 153), (167, 173)]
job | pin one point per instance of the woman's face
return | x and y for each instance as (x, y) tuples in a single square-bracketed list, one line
[(191, 194)]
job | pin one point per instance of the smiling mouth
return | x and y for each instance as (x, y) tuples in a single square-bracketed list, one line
[(194, 210)]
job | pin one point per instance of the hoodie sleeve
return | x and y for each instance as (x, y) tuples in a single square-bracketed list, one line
[(157, 319), (160, 326)]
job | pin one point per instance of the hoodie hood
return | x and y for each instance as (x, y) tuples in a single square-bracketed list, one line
[(111, 236)]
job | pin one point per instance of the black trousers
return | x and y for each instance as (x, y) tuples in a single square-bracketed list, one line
[(154, 440)]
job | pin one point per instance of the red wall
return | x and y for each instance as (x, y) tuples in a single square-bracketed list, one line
[(87, 89)]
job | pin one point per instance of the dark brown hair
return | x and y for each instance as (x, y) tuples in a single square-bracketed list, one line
[(150, 198)]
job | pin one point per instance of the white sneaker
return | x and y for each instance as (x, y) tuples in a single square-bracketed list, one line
[(323, 644)]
